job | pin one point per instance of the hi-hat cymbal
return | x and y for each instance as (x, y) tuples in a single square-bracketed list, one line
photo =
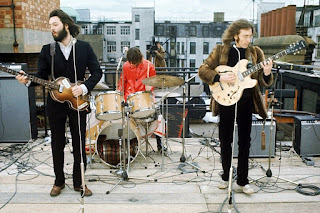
[(163, 81), (101, 85), (162, 94)]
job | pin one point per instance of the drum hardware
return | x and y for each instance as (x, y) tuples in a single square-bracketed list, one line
[(163, 81)]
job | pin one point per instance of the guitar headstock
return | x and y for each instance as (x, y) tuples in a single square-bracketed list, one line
[(296, 47)]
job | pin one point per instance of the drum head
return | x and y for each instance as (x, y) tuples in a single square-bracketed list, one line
[(108, 147)]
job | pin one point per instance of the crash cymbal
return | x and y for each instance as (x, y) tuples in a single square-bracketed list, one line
[(163, 81), (101, 85)]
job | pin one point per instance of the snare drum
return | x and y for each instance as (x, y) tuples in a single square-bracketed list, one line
[(142, 104), (108, 105), (108, 147)]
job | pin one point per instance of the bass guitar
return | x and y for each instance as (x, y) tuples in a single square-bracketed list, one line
[(60, 90), (228, 94)]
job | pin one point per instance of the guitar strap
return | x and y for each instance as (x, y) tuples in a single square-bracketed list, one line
[(52, 53)]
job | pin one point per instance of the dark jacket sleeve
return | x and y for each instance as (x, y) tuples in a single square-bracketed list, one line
[(206, 70)]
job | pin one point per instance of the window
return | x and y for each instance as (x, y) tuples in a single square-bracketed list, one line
[(192, 63), (192, 31), (111, 30), (111, 46), (182, 48), (172, 49), (85, 29), (182, 63), (192, 47), (178, 47), (125, 30), (205, 31), (318, 47), (99, 30), (125, 44), (137, 34), (205, 47), (137, 18), (160, 31)]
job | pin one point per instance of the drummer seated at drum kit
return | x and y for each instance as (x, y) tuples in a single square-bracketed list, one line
[(135, 70)]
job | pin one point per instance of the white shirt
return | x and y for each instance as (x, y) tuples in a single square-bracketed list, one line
[(66, 50)]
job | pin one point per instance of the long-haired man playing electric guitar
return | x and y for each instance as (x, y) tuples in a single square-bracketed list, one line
[(249, 101)]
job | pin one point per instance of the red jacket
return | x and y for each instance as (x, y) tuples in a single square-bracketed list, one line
[(133, 76)]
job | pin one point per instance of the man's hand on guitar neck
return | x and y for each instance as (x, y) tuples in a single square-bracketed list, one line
[(267, 66), (228, 77), (23, 79)]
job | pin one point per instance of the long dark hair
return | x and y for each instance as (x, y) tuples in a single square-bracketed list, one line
[(66, 19), (234, 29), (134, 56)]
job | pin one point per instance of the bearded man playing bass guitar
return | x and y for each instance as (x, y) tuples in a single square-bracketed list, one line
[(250, 100), (64, 31)]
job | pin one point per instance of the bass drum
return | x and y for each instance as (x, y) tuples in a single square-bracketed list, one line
[(108, 142)]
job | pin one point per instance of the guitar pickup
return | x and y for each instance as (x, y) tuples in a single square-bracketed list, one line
[(240, 76), (60, 88)]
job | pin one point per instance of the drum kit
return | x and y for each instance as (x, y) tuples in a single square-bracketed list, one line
[(116, 128)]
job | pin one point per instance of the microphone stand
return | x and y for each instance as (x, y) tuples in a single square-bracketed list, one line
[(122, 170), (82, 167), (230, 197), (272, 104)]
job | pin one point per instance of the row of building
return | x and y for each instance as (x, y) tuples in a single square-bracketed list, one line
[(24, 29)]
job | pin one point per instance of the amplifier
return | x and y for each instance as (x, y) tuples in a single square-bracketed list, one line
[(18, 113), (307, 135), (255, 148)]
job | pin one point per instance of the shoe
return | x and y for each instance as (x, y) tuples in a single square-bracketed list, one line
[(247, 189), (56, 190), (87, 192), (159, 146), (223, 185)]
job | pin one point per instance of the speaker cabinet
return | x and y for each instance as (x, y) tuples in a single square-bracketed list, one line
[(307, 135), (175, 121), (17, 108), (255, 148)]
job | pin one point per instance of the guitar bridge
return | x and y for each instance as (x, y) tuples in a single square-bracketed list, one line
[(60, 88)]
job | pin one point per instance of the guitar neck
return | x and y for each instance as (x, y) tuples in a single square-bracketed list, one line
[(259, 67), (32, 78)]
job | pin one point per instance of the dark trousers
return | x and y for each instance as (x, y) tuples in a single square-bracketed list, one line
[(58, 113), (226, 126)]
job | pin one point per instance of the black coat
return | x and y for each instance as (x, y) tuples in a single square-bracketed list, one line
[(85, 58)]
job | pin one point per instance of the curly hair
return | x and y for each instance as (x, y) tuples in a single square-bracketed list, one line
[(234, 29), (134, 55), (66, 19)]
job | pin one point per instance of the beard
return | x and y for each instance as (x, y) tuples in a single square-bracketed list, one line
[(60, 35)]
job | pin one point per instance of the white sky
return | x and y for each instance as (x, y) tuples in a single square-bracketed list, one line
[(175, 9)]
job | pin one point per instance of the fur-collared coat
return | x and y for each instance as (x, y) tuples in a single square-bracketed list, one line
[(219, 56)]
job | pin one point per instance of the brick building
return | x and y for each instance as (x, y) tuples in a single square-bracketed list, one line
[(24, 29)]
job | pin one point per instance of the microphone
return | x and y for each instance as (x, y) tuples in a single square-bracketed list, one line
[(74, 41), (233, 44)]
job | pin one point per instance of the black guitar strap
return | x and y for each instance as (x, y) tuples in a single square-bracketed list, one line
[(52, 53)]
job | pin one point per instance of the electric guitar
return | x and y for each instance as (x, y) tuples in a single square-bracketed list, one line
[(60, 90), (228, 94)]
